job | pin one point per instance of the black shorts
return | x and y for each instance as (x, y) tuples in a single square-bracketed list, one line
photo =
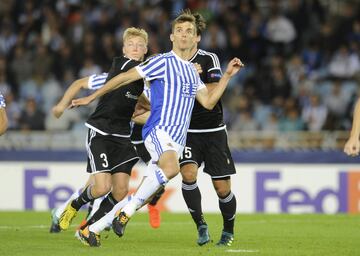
[(211, 148), (142, 152), (107, 153)]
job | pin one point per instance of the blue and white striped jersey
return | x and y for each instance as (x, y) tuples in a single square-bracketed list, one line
[(173, 86), (97, 81), (2, 101)]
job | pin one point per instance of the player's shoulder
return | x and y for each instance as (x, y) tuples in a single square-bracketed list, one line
[(123, 61), (206, 58), (207, 54)]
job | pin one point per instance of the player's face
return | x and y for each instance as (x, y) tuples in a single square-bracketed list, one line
[(184, 36), (135, 48)]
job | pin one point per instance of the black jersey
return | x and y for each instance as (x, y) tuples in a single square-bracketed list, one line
[(202, 118), (114, 110)]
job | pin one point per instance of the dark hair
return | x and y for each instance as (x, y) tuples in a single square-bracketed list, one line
[(185, 16), (200, 23)]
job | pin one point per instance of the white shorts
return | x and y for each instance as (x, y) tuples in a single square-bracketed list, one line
[(158, 141)]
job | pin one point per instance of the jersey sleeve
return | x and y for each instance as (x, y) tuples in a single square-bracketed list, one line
[(97, 81), (147, 92), (201, 85), (213, 69), (152, 68), (2, 101)]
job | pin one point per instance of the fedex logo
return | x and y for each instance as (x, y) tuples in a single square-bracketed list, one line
[(58, 194), (346, 194), (43, 184)]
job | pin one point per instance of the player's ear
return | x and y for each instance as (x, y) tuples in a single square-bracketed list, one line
[(198, 38), (171, 37)]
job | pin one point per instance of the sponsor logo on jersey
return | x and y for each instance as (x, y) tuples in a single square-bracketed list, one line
[(130, 96)]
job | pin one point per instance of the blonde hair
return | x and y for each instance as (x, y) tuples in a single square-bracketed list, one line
[(130, 32)]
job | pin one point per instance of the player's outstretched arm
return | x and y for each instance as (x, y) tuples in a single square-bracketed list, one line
[(116, 82), (352, 146), (208, 99), (69, 94), (3, 121), (3, 116)]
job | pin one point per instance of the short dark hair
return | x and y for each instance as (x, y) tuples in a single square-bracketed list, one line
[(184, 16)]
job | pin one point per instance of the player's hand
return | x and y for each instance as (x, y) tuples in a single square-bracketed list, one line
[(58, 110), (234, 66), (81, 101), (198, 68), (352, 147)]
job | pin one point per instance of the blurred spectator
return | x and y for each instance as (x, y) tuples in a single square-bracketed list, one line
[(314, 114), (291, 121), (280, 32), (13, 111), (244, 122), (21, 65), (344, 64), (31, 118)]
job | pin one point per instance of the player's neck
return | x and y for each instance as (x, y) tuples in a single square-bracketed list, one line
[(193, 51), (183, 54)]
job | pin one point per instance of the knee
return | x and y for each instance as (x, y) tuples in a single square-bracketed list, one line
[(119, 193), (188, 176), (101, 189), (171, 169), (222, 191)]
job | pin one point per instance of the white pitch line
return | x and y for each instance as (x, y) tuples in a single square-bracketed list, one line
[(241, 250)]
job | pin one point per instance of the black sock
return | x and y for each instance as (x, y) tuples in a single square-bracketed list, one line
[(84, 198), (91, 204), (106, 206), (192, 197), (157, 196), (227, 207)]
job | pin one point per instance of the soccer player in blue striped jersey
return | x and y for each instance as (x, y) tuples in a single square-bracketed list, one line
[(174, 84)]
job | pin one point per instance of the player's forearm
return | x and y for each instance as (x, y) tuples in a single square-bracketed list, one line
[(114, 83), (70, 93), (355, 130), (216, 92), (141, 119), (3, 121)]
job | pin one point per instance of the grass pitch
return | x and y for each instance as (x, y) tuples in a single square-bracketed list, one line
[(27, 233)]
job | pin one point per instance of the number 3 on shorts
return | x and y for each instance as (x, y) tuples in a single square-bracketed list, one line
[(104, 157)]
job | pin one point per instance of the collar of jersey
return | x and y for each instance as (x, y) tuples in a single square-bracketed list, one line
[(178, 57)]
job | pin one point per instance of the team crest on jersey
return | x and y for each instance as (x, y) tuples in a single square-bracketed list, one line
[(187, 89)]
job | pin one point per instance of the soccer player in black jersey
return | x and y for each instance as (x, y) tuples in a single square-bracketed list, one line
[(207, 142), (111, 155)]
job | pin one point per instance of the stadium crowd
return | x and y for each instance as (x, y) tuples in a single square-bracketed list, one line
[(302, 56)]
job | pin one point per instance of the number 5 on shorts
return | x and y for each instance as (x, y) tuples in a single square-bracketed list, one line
[(187, 153)]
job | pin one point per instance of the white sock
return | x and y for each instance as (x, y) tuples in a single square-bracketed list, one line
[(107, 219), (61, 208), (150, 185)]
